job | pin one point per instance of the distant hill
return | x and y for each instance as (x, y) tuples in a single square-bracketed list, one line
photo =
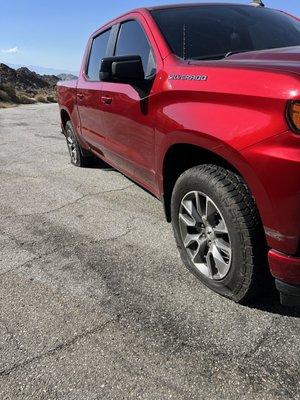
[(67, 77), (44, 70), (22, 86)]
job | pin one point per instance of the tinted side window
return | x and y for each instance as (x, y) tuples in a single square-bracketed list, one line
[(132, 40), (98, 51)]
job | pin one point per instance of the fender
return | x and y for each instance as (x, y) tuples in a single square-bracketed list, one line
[(238, 162)]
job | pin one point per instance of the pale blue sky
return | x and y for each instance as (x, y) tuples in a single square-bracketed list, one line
[(53, 33)]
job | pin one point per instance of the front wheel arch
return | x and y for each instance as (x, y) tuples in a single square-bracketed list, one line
[(181, 157)]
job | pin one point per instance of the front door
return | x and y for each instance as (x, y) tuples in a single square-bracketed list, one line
[(126, 116)]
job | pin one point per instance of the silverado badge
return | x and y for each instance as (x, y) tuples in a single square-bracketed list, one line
[(179, 77)]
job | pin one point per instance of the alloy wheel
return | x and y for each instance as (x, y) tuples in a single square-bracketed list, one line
[(72, 147), (205, 235)]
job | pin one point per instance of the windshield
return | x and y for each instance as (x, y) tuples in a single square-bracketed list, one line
[(216, 31)]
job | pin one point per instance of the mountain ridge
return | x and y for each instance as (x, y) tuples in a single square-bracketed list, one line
[(23, 86), (43, 70)]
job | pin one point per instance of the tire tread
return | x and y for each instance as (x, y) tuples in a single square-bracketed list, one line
[(238, 199)]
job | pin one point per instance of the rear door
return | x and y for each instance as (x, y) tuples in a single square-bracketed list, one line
[(126, 110), (89, 90)]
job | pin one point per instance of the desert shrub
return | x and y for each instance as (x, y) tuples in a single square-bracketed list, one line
[(6, 105), (51, 99), (41, 99), (26, 100), (10, 91), (4, 96)]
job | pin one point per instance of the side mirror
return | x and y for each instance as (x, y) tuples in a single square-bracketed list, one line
[(122, 69)]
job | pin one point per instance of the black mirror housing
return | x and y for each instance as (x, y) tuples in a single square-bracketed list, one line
[(122, 69)]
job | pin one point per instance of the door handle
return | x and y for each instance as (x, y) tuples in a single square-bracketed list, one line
[(106, 99), (80, 96)]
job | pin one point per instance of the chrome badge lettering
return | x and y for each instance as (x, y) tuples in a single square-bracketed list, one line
[(178, 77)]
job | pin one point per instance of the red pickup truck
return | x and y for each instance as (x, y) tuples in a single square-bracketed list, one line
[(200, 105)]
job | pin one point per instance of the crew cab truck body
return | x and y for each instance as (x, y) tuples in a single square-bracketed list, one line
[(200, 105)]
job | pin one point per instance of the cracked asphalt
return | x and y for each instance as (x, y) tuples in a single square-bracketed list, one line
[(94, 300)]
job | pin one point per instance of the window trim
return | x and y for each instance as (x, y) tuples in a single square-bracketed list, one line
[(86, 67), (147, 77)]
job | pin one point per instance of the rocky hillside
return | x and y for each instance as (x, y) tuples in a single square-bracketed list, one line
[(67, 77), (22, 86)]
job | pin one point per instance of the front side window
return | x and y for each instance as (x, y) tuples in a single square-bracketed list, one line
[(98, 51), (212, 31), (132, 40)]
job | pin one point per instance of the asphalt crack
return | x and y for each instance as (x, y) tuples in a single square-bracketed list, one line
[(67, 245), (266, 334), (59, 347), (11, 336), (69, 203)]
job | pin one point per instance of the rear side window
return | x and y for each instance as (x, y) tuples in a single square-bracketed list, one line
[(132, 40), (98, 51)]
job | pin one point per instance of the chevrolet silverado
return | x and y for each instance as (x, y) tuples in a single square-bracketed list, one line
[(200, 105)]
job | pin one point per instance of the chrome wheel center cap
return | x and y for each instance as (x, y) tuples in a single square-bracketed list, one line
[(209, 233)]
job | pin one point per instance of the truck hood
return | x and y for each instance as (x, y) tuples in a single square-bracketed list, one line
[(284, 59)]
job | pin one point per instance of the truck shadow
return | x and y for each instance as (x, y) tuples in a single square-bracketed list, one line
[(97, 163), (271, 303)]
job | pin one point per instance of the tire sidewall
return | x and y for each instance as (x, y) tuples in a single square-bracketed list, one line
[(70, 132), (232, 285)]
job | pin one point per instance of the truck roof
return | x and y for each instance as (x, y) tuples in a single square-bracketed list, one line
[(166, 6), (172, 6)]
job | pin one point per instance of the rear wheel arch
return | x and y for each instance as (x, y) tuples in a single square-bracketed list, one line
[(65, 117)]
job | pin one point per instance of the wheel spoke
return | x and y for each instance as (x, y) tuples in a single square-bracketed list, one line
[(198, 254), (220, 229), (209, 264), (190, 239), (187, 219), (201, 206), (191, 209), (210, 209), (224, 247), (220, 264), (74, 154), (198, 204)]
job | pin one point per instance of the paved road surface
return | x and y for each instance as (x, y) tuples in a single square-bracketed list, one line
[(94, 301)]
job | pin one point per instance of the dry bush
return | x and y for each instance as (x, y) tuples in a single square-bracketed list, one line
[(10, 91), (4, 96), (41, 99), (51, 99), (26, 100), (6, 105)]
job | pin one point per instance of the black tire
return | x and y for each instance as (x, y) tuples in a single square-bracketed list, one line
[(79, 157), (247, 274)]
